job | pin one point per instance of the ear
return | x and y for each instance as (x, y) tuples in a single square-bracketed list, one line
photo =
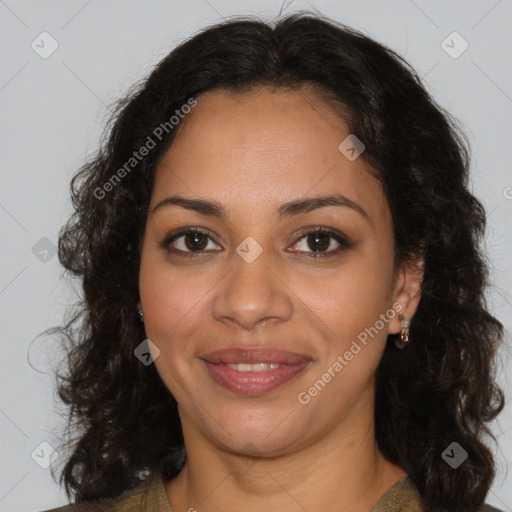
[(406, 292)]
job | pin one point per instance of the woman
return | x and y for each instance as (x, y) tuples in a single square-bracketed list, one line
[(283, 287)]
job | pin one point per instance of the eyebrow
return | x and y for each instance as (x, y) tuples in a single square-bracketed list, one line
[(296, 207)]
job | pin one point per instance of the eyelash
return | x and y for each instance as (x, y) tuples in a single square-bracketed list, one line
[(338, 237)]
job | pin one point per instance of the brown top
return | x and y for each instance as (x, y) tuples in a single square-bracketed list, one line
[(151, 496)]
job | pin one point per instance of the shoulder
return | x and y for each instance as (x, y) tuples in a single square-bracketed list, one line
[(404, 497), (132, 500)]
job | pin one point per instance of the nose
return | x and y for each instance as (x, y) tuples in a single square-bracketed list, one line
[(252, 294)]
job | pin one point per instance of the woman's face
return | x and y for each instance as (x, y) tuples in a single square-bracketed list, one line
[(252, 281)]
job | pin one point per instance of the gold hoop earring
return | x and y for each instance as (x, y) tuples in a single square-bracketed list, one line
[(404, 334)]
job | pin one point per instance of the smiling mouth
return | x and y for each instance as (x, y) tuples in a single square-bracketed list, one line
[(245, 380), (253, 371)]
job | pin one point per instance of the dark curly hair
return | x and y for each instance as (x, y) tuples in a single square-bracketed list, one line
[(123, 424)]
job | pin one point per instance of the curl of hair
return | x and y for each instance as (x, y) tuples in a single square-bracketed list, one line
[(439, 389)]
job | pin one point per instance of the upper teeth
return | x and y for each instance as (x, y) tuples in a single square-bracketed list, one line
[(257, 367)]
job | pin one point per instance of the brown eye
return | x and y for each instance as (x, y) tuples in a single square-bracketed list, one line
[(319, 241), (195, 241), (188, 241), (316, 243)]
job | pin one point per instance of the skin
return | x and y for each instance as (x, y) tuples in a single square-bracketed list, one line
[(251, 153)]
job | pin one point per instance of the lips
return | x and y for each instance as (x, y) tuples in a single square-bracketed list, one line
[(254, 356), (253, 371)]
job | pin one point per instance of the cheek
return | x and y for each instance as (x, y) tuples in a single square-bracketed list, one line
[(168, 301), (347, 307), (165, 297), (350, 299), (176, 305)]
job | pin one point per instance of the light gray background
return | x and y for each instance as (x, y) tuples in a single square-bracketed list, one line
[(53, 111)]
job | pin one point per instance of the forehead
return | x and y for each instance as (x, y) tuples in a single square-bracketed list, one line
[(265, 146)]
